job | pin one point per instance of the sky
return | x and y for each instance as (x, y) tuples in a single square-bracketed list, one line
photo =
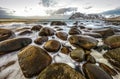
[(51, 7)]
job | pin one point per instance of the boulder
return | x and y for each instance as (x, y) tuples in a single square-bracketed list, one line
[(60, 71), (95, 72), (41, 40), (62, 35), (46, 31), (52, 46), (85, 42), (95, 35), (113, 41), (33, 60), (13, 44), (109, 70), (78, 54), (59, 23), (74, 31), (36, 28), (66, 50), (105, 32), (25, 32), (6, 34)]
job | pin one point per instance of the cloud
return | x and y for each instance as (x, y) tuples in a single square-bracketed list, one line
[(5, 13), (62, 10), (88, 7), (48, 3)]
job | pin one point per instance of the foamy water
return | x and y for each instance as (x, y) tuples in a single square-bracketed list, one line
[(14, 72)]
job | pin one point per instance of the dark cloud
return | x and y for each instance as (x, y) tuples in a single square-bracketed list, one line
[(47, 3), (62, 10), (88, 7), (5, 13)]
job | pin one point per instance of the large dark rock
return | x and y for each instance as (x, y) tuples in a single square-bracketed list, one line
[(78, 54), (95, 72), (113, 54), (33, 60), (66, 49), (113, 57), (85, 42), (36, 28), (90, 59), (52, 46), (95, 35), (113, 41), (5, 34), (62, 35), (57, 23), (46, 31), (105, 32), (41, 40), (25, 32), (13, 44), (60, 71), (74, 31), (109, 70)]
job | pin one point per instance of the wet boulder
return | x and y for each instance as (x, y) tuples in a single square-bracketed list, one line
[(52, 46), (25, 32), (95, 35), (74, 31), (90, 59), (95, 72), (66, 50), (108, 69), (6, 34), (113, 57), (113, 41), (85, 42), (33, 60), (78, 54), (46, 31), (105, 32), (60, 71), (13, 44), (36, 28), (41, 40), (62, 35), (59, 23), (113, 54), (22, 29)]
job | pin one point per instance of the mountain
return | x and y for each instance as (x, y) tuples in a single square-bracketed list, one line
[(114, 12), (79, 15)]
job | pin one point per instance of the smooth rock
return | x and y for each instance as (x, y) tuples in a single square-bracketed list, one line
[(52, 46), (78, 54), (60, 23), (105, 32), (109, 70), (74, 31), (46, 31), (41, 40), (60, 71), (26, 32), (13, 44), (95, 72), (33, 60), (85, 42), (6, 34), (62, 35), (36, 28), (113, 41)]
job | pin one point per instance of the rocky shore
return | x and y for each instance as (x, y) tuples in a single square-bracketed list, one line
[(59, 51)]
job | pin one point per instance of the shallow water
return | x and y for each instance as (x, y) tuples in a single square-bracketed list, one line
[(14, 72)]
